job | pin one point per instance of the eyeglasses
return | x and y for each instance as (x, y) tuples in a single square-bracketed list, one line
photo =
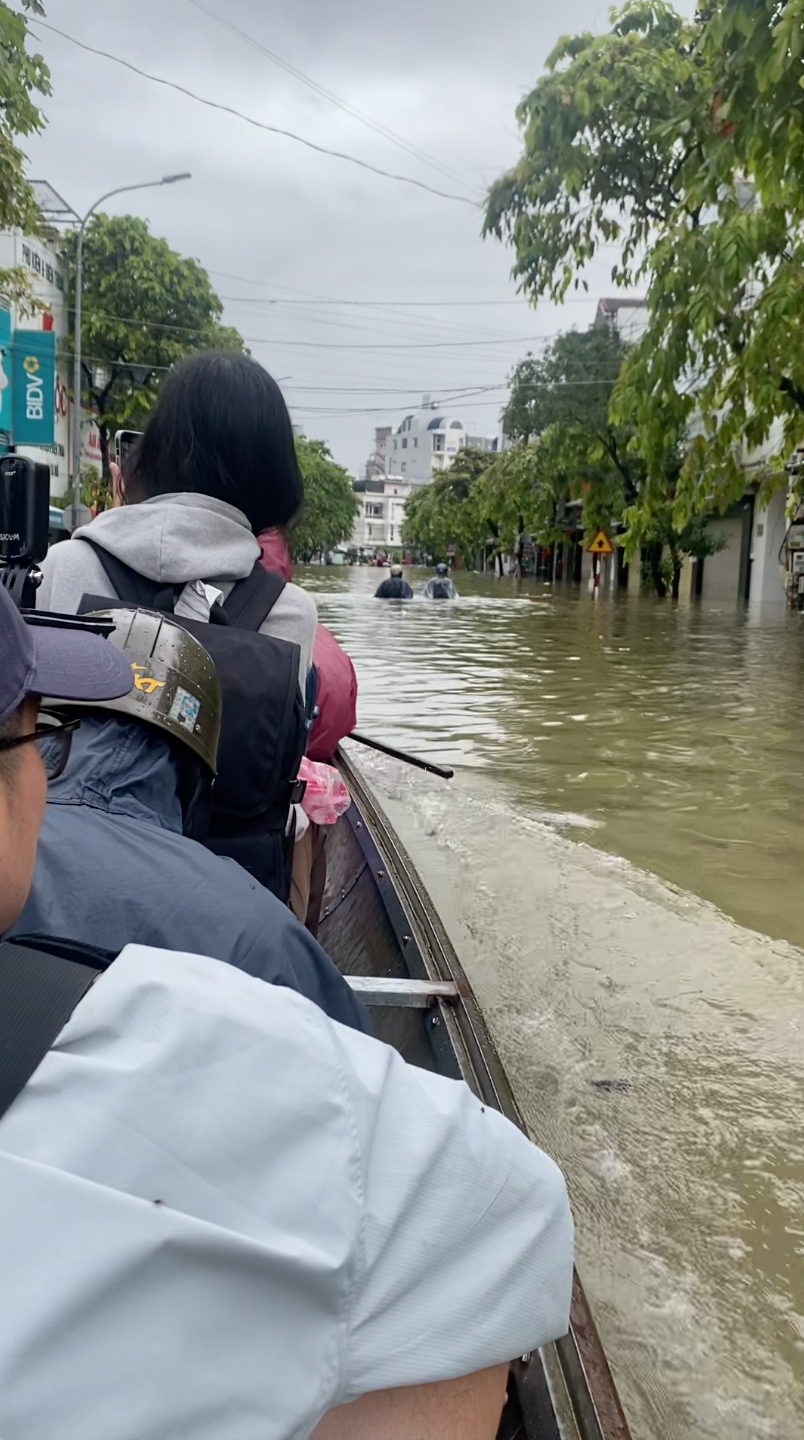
[(52, 737)]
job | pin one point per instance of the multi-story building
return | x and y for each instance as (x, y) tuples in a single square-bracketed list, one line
[(628, 319), (382, 511), (403, 459), (45, 266), (378, 459), (424, 445)]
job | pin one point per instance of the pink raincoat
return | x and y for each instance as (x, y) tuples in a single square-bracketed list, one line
[(336, 696)]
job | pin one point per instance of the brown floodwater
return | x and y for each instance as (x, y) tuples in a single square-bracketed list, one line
[(619, 860)]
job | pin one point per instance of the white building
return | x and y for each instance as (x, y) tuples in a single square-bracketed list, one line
[(382, 511), (377, 463), (426, 443), (627, 319), (49, 285)]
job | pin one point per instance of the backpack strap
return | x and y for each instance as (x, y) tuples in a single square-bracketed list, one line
[(251, 601), (247, 606), (131, 588), (41, 982)]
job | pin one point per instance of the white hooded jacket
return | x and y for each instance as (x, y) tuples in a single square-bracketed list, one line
[(224, 1214)]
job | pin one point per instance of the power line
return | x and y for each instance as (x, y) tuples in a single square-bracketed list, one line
[(331, 410), (441, 403), (319, 89), (365, 304), (312, 299), (403, 324), (383, 390), (330, 344), (250, 120)]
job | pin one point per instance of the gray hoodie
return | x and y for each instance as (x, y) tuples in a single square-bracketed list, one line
[(176, 539)]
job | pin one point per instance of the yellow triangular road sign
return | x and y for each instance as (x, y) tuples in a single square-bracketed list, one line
[(601, 545)]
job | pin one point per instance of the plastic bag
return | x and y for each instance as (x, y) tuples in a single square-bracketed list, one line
[(326, 796)]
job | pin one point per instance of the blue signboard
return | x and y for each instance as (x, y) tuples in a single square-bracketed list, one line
[(33, 380), (5, 371)]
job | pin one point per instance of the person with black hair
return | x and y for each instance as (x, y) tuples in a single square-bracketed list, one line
[(216, 465)]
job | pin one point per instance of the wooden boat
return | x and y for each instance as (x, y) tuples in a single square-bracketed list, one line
[(379, 926)]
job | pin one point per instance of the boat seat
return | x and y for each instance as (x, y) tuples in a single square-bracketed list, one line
[(409, 994)]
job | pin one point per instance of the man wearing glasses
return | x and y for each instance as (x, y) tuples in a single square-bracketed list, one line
[(222, 1214), (67, 663)]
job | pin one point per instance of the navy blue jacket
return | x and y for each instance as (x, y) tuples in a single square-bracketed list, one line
[(113, 868)]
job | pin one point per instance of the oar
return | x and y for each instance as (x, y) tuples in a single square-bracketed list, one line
[(401, 755)]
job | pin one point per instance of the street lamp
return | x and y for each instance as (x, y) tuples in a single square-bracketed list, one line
[(79, 260)]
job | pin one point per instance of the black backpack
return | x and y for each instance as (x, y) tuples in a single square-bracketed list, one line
[(264, 728), (442, 590), (41, 982)]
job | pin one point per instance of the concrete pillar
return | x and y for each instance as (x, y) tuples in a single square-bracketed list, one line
[(586, 568), (724, 572), (766, 587), (687, 581)]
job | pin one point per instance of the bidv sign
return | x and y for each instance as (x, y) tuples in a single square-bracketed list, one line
[(33, 379), (34, 394)]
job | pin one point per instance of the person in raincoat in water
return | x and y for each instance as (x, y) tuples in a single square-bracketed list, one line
[(395, 588), (440, 587)]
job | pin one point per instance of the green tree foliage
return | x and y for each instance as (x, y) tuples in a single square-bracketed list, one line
[(570, 383), (664, 549), (581, 454), (442, 518), (567, 453), (678, 143), (518, 495), (144, 307), (330, 505), (563, 399), (22, 77)]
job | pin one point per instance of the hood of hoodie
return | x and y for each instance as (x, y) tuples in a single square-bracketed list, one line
[(178, 538), (122, 768), (274, 554)]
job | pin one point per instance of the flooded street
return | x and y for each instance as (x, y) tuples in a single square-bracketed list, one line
[(619, 860)]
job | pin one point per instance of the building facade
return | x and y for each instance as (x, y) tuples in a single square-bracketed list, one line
[(628, 319), (382, 511), (747, 565), (422, 446), (46, 269), (377, 463)]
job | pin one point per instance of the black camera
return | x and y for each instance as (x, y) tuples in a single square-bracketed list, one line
[(24, 520)]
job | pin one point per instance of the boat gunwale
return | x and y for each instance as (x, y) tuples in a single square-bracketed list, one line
[(577, 1363)]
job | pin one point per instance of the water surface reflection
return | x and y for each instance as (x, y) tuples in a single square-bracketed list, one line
[(672, 737), (602, 750)]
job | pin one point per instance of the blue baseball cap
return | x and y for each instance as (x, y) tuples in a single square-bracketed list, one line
[(56, 661)]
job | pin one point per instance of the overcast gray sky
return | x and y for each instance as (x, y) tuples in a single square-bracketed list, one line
[(272, 221)]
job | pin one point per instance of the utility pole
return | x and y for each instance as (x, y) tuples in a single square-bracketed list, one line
[(72, 515)]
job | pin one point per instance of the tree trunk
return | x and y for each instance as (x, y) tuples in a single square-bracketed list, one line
[(653, 555), (678, 561), (520, 547)]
